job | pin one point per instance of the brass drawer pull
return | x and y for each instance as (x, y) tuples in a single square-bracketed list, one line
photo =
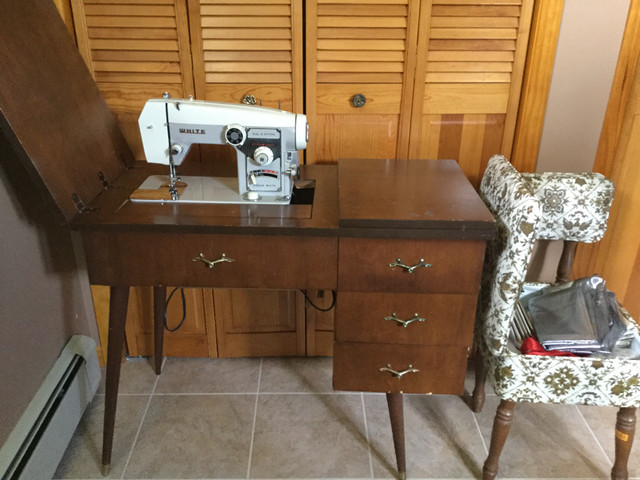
[(212, 263), (409, 369), (398, 263), (405, 323)]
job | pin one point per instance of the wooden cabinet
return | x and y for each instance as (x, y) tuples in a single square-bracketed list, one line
[(227, 323), (259, 323), (188, 323), (359, 77), (260, 261), (436, 369), (135, 51), (375, 318), (468, 80), (376, 78), (412, 79), (264, 315), (406, 309), (251, 48), (449, 265), (416, 322), (211, 49)]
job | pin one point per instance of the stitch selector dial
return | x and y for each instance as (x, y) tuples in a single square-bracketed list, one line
[(263, 156), (235, 134)]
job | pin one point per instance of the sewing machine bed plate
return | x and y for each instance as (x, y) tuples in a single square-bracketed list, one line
[(198, 190)]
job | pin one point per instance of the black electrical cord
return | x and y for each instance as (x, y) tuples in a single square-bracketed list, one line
[(333, 301), (184, 310)]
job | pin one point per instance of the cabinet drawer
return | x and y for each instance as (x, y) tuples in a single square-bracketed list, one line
[(442, 319), (371, 98), (441, 370), (259, 261), (366, 265)]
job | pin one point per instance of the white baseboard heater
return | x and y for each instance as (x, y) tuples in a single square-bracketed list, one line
[(36, 445)]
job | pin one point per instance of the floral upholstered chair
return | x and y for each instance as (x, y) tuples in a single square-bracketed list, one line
[(554, 206)]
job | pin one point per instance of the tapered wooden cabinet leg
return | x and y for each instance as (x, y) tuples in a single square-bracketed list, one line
[(477, 399), (501, 427), (396, 414), (118, 302), (159, 302), (625, 430)]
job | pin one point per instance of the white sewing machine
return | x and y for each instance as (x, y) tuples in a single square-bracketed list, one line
[(266, 141)]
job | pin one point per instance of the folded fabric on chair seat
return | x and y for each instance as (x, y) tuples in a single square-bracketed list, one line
[(531, 346)]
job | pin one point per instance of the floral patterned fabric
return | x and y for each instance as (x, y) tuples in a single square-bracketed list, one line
[(574, 206), (526, 207), (517, 213)]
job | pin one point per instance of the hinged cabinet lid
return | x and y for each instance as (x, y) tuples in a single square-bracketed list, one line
[(51, 110), (410, 194)]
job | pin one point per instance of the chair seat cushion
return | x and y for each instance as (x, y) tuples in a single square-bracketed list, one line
[(612, 380)]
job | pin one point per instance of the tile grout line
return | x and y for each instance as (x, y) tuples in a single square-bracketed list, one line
[(594, 436), (484, 444), (255, 416), (177, 394), (144, 416), (366, 434)]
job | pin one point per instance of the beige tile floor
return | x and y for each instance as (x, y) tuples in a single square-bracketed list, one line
[(279, 418)]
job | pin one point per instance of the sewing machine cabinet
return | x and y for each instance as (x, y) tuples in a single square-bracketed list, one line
[(404, 79), (371, 229)]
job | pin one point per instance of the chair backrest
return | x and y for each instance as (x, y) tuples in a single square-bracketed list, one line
[(575, 206), (517, 211)]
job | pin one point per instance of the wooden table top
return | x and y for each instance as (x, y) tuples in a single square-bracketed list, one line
[(390, 198)]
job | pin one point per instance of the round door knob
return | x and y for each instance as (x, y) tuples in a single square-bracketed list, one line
[(359, 100)]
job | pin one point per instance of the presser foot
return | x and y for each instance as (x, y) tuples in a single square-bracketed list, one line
[(105, 469)]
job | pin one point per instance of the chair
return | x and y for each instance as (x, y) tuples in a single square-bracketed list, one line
[(554, 206)]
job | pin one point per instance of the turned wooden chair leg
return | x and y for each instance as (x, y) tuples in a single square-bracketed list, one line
[(478, 396), (501, 427), (625, 429)]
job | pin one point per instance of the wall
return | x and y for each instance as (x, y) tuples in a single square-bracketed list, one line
[(586, 57), (41, 297)]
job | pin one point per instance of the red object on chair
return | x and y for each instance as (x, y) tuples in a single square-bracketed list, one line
[(531, 346)]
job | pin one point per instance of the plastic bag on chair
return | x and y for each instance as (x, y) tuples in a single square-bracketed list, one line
[(579, 317)]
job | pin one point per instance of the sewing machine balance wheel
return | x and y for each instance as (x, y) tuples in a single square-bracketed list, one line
[(235, 134)]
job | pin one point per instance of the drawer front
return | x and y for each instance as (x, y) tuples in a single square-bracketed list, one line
[(358, 99), (440, 369), (427, 319), (250, 261), (366, 264)]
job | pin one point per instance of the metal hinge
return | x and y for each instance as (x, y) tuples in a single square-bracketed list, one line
[(82, 208), (103, 180)]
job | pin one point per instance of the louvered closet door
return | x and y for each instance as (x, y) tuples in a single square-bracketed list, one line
[(360, 66), (135, 50), (471, 59), (248, 47)]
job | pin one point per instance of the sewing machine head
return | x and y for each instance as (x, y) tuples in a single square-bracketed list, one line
[(266, 141)]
